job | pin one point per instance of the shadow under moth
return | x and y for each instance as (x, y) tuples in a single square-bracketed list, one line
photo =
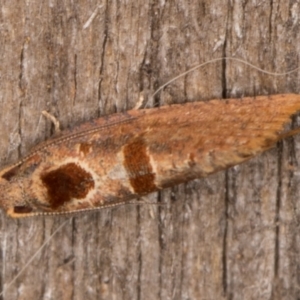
[(112, 160)]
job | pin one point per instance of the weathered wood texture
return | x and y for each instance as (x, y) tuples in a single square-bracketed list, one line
[(234, 235)]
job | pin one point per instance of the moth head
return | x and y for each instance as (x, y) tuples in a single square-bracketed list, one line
[(12, 194), (36, 188), (16, 196)]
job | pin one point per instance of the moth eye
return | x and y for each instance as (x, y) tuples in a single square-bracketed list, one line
[(22, 209), (10, 173)]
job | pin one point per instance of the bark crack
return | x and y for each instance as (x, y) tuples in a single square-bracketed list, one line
[(270, 20), (224, 66), (277, 215), (73, 224), (224, 252), (161, 243), (103, 51), (227, 184), (155, 26), (75, 79), (21, 87), (140, 257)]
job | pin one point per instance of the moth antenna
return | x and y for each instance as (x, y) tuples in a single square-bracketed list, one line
[(53, 120), (159, 204), (216, 60), (148, 203), (33, 257)]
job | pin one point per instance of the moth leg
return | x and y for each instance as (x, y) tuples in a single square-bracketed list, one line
[(140, 103), (53, 120)]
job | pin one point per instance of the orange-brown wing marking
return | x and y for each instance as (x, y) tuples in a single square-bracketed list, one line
[(138, 166), (85, 148)]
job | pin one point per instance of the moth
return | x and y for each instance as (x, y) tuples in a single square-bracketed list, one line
[(112, 160)]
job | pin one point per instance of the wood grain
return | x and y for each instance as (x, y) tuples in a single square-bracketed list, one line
[(234, 235)]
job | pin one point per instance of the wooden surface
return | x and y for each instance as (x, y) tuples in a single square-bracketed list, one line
[(234, 235)]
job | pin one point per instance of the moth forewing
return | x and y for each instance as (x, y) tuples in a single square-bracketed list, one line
[(112, 160)]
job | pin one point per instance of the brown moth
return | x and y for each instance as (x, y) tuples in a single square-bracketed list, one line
[(112, 160)]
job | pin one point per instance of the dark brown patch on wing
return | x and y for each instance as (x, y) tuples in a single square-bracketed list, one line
[(22, 209), (67, 182), (138, 166), (11, 173)]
